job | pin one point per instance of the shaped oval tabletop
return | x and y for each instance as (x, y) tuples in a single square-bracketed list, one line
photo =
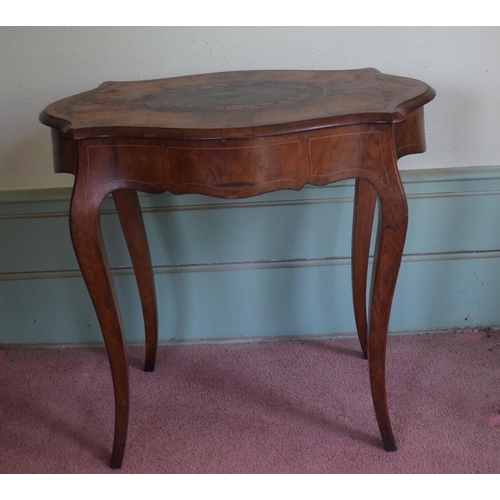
[(237, 104)]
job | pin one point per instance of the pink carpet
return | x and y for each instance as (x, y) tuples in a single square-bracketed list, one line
[(271, 407)]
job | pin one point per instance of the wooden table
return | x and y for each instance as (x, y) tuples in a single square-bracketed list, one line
[(236, 135)]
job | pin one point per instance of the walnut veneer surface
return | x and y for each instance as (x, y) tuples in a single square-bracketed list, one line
[(236, 135)]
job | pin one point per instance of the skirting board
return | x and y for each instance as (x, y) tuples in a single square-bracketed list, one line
[(271, 267)]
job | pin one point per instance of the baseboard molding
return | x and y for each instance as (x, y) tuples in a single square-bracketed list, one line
[(277, 338)]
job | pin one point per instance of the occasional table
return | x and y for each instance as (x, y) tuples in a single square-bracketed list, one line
[(236, 135)]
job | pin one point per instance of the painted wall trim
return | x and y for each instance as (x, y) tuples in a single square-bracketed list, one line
[(407, 176), (218, 267)]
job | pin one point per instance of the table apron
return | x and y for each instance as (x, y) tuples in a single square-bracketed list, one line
[(239, 168)]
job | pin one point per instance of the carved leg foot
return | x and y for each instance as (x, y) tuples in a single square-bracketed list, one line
[(117, 455), (129, 212)]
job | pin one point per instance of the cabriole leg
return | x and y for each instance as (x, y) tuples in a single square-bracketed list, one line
[(365, 198), (130, 214), (393, 221), (91, 254)]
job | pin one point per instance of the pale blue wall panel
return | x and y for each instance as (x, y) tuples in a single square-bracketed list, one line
[(250, 234), (47, 311), (441, 224), (35, 244), (447, 293), (454, 223), (253, 303), (275, 265)]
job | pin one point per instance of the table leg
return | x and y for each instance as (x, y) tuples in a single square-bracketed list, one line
[(129, 212), (365, 197), (393, 221), (91, 254)]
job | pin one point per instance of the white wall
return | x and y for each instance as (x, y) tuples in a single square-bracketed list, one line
[(41, 64)]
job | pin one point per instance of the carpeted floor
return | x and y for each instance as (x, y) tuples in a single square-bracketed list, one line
[(271, 407)]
